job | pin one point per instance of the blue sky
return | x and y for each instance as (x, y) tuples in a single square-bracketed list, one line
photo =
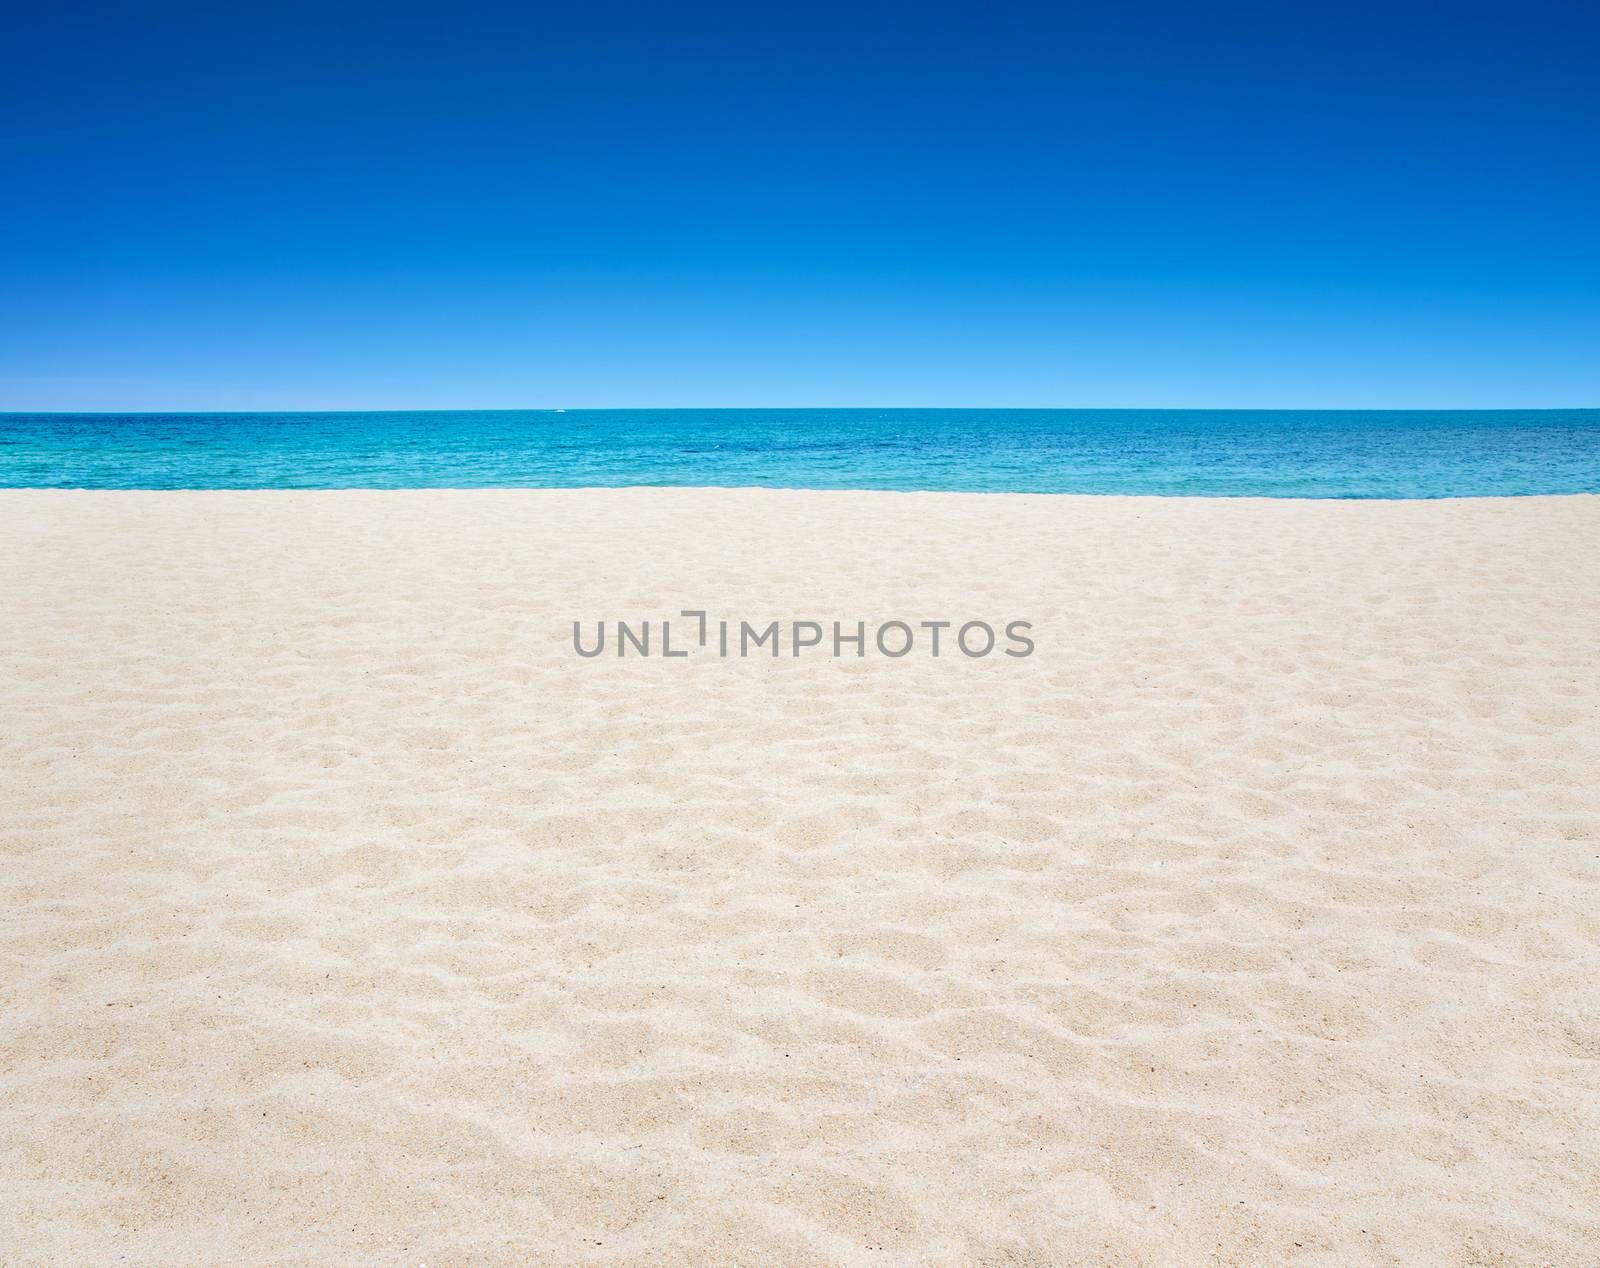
[(475, 206)]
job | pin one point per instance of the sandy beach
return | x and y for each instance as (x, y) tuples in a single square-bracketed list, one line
[(348, 916)]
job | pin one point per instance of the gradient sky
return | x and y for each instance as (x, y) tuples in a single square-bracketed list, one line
[(406, 206)]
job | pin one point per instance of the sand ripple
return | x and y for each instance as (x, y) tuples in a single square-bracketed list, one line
[(349, 918)]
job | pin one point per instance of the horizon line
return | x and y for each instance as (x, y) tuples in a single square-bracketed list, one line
[(570, 409)]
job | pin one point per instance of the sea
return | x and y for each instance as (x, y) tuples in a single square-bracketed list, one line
[(1205, 453)]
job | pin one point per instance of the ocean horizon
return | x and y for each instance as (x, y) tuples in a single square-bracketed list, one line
[(1393, 454)]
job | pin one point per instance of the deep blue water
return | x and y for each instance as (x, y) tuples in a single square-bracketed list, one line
[(1218, 453)]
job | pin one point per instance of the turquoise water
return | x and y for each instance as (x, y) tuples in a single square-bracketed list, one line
[(1216, 453)]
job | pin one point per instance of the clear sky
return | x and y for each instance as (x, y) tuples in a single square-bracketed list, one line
[(290, 206)]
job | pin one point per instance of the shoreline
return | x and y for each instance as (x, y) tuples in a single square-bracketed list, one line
[(791, 489)]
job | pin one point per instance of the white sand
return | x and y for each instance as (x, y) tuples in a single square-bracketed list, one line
[(347, 917)]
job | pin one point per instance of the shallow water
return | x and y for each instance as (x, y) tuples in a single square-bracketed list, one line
[(1218, 453)]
